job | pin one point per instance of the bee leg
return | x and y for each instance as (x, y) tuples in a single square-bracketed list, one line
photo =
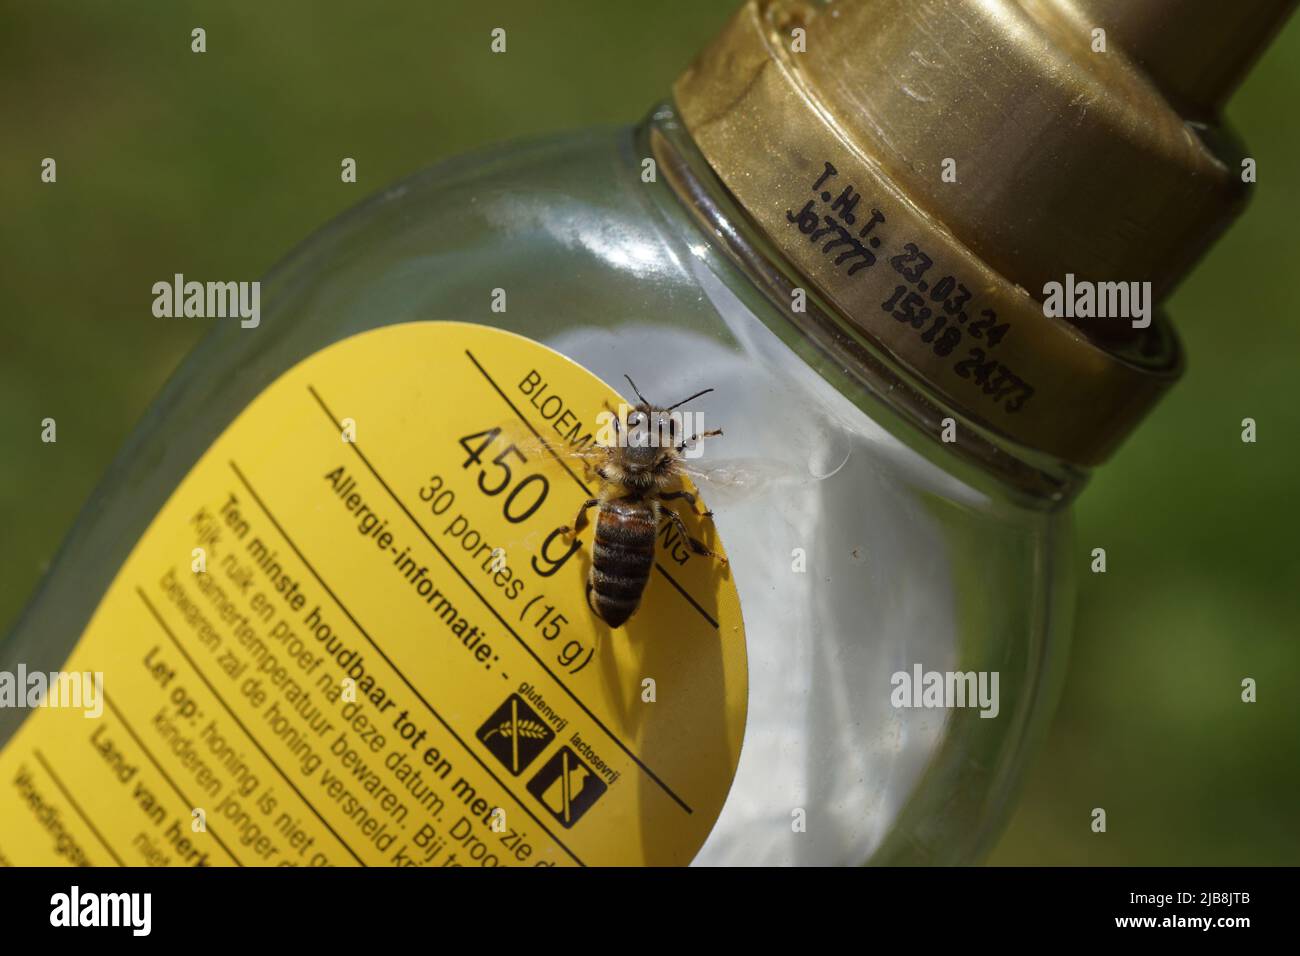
[(696, 545), (688, 498), (580, 522), (710, 434)]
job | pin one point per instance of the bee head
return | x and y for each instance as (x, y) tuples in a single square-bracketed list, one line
[(651, 439)]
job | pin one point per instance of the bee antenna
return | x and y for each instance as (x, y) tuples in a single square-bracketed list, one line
[(685, 400), (636, 390)]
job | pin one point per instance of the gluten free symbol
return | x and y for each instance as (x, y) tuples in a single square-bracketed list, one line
[(566, 786), (515, 734)]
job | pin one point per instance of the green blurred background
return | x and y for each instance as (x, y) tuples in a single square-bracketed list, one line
[(217, 164)]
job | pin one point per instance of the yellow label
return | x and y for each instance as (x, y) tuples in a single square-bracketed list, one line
[(353, 635)]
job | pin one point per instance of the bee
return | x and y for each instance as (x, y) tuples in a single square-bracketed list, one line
[(637, 475)]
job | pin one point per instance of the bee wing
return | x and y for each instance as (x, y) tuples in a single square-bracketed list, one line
[(735, 479), (581, 458)]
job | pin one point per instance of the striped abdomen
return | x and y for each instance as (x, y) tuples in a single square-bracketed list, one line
[(621, 557)]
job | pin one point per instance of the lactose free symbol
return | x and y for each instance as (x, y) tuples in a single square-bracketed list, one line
[(566, 786)]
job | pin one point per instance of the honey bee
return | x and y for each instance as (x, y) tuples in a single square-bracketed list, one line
[(637, 475)]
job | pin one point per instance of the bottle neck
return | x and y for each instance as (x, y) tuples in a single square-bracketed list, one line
[(1043, 479)]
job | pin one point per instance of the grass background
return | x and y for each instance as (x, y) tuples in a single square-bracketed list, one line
[(217, 164)]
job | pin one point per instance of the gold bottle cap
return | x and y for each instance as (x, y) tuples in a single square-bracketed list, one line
[(930, 166)]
